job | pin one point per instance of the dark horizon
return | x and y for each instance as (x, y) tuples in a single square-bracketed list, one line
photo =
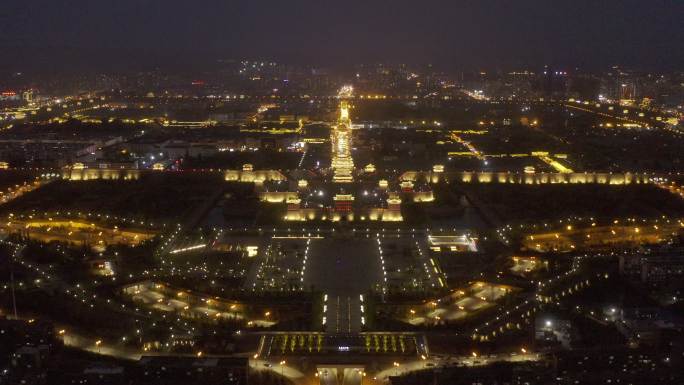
[(134, 35)]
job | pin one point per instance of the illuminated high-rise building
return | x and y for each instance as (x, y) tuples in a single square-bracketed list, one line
[(627, 91), (341, 141)]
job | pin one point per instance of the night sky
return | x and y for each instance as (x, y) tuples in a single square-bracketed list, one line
[(646, 34)]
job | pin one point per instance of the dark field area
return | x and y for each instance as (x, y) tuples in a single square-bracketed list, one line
[(514, 203), (153, 197)]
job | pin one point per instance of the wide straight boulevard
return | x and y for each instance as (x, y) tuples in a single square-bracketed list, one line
[(345, 269)]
